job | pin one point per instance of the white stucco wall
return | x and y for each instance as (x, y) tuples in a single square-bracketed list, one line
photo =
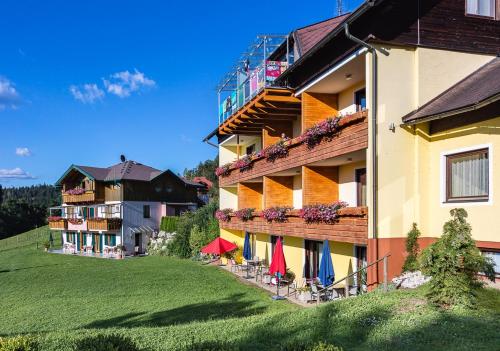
[(347, 183), (297, 191)]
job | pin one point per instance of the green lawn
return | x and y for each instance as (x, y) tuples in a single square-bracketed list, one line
[(170, 304)]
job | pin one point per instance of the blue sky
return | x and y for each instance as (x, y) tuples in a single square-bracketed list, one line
[(85, 81)]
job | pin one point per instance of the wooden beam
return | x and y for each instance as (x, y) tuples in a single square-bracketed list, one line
[(278, 98)]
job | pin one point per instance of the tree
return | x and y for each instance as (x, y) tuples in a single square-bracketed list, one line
[(412, 248), (454, 262), (1, 195)]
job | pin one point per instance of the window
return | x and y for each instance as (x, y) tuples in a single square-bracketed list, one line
[(250, 149), (360, 99), (146, 211), (467, 176), (484, 8), (495, 256), (361, 186)]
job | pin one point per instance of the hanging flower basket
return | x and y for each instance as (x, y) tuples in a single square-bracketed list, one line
[(223, 170), (321, 213), (245, 214), (276, 214), (326, 129), (55, 218), (275, 151), (224, 215), (244, 163), (75, 191)]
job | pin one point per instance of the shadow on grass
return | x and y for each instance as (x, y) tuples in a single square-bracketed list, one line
[(230, 307), (25, 268), (106, 343), (373, 327)]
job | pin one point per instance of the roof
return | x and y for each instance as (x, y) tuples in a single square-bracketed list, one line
[(479, 89), (204, 180), (128, 170), (307, 37)]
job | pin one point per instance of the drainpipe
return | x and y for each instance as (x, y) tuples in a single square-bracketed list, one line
[(373, 109)]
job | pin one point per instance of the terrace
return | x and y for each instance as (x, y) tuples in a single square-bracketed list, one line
[(250, 83), (83, 218)]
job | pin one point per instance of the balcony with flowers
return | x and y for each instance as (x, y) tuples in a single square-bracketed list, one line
[(327, 139), (332, 221)]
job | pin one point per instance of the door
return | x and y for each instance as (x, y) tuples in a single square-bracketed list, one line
[(361, 186), (138, 243), (96, 242), (360, 278), (313, 251)]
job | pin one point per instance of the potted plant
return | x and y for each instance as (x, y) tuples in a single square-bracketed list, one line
[(46, 245), (304, 294)]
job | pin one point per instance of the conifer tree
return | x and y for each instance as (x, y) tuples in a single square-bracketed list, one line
[(412, 248)]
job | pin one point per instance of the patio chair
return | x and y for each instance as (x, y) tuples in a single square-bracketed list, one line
[(316, 293), (235, 267)]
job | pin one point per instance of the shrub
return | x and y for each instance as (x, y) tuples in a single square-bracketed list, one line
[(111, 342), (224, 215), (275, 151), (321, 213), (326, 129), (320, 346), (412, 248), (46, 244), (198, 239), (454, 262), (169, 224), (276, 214), (245, 214), (18, 343)]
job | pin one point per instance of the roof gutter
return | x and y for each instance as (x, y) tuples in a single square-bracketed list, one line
[(373, 110)]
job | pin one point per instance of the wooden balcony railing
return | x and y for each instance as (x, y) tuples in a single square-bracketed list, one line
[(88, 196), (351, 226), (59, 224), (104, 224), (353, 136)]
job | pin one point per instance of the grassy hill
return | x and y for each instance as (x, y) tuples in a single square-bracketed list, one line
[(30, 238), (161, 303)]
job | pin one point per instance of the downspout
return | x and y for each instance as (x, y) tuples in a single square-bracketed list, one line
[(373, 109)]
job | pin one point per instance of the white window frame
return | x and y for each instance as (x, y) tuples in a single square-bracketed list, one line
[(494, 8), (444, 156)]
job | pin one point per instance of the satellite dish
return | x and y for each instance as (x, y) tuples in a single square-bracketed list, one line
[(123, 158)]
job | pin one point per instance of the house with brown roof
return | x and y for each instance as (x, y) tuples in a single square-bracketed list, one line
[(123, 204), (392, 111)]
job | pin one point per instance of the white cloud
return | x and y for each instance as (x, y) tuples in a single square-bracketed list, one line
[(23, 151), (15, 173), (124, 83), (88, 93), (9, 97)]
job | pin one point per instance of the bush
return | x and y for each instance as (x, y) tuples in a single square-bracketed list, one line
[(454, 262), (199, 238), (203, 217), (412, 248), (169, 224), (320, 346), (18, 343), (106, 343)]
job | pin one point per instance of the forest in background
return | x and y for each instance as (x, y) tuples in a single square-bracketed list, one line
[(25, 208)]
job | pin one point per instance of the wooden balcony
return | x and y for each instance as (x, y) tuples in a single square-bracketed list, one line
[(353, 136), (104, 224), (60, 224), (351, 226), (88, 196)]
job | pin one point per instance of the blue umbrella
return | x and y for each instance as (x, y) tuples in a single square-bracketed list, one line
[(326, 273), (247, 250)]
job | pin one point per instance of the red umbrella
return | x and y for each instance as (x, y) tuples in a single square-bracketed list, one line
[(278, 266), (218, 247)]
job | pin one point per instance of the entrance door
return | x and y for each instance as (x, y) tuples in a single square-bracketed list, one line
[(313, 251), (360, 278), (361, 186), (138, 243), (96, 242)]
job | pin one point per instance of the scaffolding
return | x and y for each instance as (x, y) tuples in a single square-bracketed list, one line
[(253, 72)]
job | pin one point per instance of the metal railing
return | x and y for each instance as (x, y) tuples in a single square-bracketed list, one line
[(346, 285), (92, 211)]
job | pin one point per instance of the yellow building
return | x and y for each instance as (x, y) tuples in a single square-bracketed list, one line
[(415, 137)]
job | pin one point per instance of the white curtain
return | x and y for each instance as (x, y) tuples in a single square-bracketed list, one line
[(469, 175), (481, 7)]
